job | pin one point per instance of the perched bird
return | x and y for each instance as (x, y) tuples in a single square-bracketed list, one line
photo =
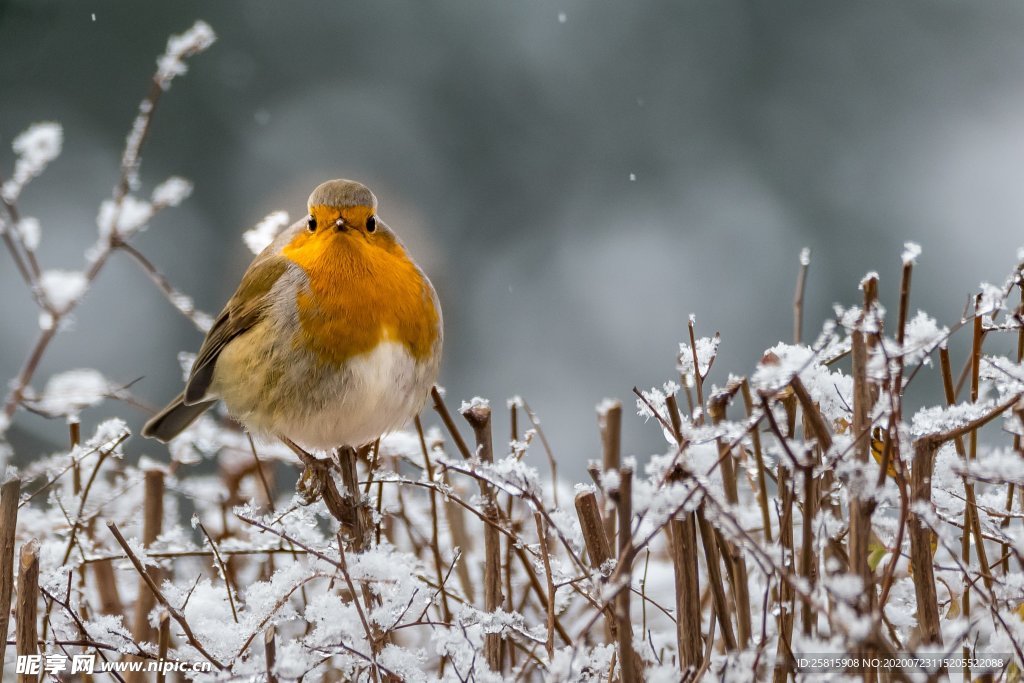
[(333, 337)]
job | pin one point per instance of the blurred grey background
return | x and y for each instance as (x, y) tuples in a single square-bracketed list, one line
[(576, 177)]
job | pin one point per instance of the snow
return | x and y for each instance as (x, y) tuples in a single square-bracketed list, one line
[(36, 147), (474, 403), (911, 250), (922, 336), (296, 584), (1002, 465), (172, 63), (992, 299), (938, 419), (707, 348), (186, 360), (260, 237), (68, 392), (172, 191), (125, 219), (29, 231), (62, 288)]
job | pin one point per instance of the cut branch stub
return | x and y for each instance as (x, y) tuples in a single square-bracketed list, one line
[(27, 610)]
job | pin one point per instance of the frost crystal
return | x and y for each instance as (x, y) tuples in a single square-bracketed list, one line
[(172, 62), (69, 392), (707, 348), (61, 288), (29, 232), (911, 250), (36, 147), (940, 419), (475, 402), (805, 256), (260, 237), (992, 299), (172, 191), (130, 217)]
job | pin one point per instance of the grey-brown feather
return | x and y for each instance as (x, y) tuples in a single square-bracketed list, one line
[(174, 418), (342, 193), (244, 310)]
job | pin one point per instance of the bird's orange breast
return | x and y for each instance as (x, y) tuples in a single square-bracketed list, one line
[(362, 290)]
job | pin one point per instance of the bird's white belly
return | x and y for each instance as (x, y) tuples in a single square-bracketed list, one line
[(321, 408), (378, 392)]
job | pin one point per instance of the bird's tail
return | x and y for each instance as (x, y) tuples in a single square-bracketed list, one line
[(170, 421)]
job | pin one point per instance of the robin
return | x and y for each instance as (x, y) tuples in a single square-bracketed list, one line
[(333, 337)]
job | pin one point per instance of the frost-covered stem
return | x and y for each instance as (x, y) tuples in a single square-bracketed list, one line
[(460, 538), (449, 424), (163, 641), (815, 423), (798, 296), (861, 509), (808, 558), (12, 246), (435, 542), (9, 495), (714, 569), (106, 586), (762, 475), (510, 605), (609, 421), (971, 523), (356, 518), (77, 524), (371, 638), (734, 558), (542, 538), (228, 587), (623, 498), (151, 584), (698, 378), (786, 597), (1016, 437), (355, 515), (687, 591), (26, 611), (921, 542), (593, 533), (598, 549), (672, 408), (170, 292), (552, 461), (28, 369), (129, 168), (270, 652), (537, 588), (815, 420), (152, 525), (479, 418)]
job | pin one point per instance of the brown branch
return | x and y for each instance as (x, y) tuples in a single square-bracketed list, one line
[(9, 494), (151, 584), (28, 604)]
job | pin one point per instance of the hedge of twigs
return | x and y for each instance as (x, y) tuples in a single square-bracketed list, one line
[(798, 514)]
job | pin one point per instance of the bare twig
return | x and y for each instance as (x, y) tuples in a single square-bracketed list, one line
[(151, 584)]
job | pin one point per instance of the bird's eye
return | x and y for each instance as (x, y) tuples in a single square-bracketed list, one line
[(371, 224), (311, 223)]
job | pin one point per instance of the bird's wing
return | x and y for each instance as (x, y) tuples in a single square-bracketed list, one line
[(246, 308)]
